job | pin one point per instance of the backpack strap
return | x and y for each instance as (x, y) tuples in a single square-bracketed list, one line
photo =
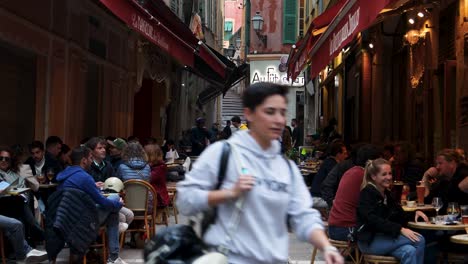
[(223, 165)]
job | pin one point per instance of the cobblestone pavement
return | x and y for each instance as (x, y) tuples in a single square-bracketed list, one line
[(299, 252)]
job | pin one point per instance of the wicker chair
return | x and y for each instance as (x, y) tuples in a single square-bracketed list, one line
[(137, 193), (380, 259), (345, 248)]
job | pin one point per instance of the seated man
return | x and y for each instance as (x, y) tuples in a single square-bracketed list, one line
[(76, 177), (14, 230)]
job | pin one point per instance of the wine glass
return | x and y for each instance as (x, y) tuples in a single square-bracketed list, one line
[(50, 175), (437, 203), (41, 177)]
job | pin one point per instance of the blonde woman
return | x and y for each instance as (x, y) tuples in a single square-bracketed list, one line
[(382, 220)]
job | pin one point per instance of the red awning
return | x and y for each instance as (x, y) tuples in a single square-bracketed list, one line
[(355, 16), (166, 31), (300, 56)]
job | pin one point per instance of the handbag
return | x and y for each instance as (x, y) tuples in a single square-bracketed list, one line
[(179, 244)]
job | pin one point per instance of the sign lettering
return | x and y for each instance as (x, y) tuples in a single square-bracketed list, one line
[(343, 33)]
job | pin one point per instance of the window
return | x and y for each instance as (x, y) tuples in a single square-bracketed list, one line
[(289, 21), (228, 25)]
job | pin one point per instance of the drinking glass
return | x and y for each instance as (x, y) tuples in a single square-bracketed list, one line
[(453, 211), (50, 175), (437, 203), (420, 190), (40, 177), (464, 214)]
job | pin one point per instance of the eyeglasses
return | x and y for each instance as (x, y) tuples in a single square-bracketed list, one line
[(5, 158)]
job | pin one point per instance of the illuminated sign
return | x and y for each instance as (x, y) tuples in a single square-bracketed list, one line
[(262, 71)]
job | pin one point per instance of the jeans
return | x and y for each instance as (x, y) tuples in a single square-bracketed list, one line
[(111, 220), (402, 248), (13, 229), (338, 232)]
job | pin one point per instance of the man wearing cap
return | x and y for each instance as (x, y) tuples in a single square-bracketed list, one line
[(115, 151)]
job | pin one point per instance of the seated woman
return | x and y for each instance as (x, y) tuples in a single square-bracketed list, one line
[(382, 221), (158, 173), (135, 163)]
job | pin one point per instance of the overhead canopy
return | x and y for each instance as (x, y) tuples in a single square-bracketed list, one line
[(157, 23), (299, 57), (354, 17), (332, 31)]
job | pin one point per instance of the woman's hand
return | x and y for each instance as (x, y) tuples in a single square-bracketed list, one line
[(410, 234), (333, 257), (422, 215), (244, 184)]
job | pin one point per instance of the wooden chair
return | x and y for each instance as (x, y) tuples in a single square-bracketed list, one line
[(2, 248), (345, 248), (102, 245), (380, 259), (172, 203), (137, 194)]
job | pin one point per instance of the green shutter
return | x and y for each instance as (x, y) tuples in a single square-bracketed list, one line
[(289, 21), (227, 30)]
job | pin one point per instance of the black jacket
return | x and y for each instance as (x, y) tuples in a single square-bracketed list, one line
[(101, 174), (332, 180), (71, 217), (377, 214), (50, 163)]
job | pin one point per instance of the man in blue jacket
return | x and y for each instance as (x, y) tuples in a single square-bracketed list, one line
[(76, 177)]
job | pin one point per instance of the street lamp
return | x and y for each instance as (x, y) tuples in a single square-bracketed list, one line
[(257, 23), (230, 51)]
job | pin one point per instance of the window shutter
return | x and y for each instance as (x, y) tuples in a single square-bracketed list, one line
[(289, 21)]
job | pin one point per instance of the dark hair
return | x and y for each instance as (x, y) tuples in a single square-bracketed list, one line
[(390, 148), (64, 150), (228, 122), (367, 152), (408, 148), (336, 147), (78, 154), (36, 144), (236, 119), (133, 139), (53, 140), (170, 142), (14, 162), (94, 141), (257, 93)]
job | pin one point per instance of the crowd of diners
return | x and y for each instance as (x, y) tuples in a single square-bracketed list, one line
[(53, 170), (356, 193)]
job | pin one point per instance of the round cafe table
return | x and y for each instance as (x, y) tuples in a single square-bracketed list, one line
[(440, 227), (426, 207), (460, 239)]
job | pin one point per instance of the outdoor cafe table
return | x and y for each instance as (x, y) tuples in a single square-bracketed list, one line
[(437, 227), (426, 207), (47, 185), (460, 239), (17, 191)]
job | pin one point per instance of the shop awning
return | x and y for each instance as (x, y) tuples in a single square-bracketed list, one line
[(299, 57), (354, 16), (158, 24)]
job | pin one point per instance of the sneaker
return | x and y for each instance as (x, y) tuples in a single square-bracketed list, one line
[(35, 256), (122, 227), (116, 261)]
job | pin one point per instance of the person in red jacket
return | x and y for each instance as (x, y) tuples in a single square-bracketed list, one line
[(158, 173)]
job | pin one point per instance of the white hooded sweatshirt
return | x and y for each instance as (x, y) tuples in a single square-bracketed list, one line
[(262, 234)]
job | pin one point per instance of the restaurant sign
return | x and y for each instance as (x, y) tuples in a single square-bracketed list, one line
[(269, 71)]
